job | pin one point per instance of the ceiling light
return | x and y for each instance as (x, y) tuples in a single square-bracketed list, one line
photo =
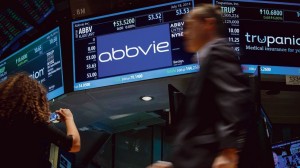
[(146, 98)]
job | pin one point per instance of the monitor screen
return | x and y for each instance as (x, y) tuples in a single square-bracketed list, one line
[(38, 10), (19, 18), (287, 154), (129, 46), (13, 26), (264, 33), (42, 60)]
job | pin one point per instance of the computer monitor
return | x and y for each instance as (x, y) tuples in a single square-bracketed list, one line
[(286, 154), (42, 60), (129, 46), (19, 18), (264, 32)]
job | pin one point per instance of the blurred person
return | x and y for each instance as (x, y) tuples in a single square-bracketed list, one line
[(26, 133), (218, 103)]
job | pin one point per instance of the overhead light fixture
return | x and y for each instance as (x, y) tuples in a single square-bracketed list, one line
[(146, 98)]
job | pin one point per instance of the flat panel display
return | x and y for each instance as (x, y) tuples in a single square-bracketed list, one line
[(13, 26), (129, 46), (38, 10), (20, 17), (42, 60), (265, 33), (286, 154)]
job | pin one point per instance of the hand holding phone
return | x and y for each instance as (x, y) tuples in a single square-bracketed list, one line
[(54, 117)]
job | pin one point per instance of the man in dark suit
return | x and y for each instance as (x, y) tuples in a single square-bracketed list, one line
[(218, 102)]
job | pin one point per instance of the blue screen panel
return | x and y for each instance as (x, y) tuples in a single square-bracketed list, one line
[(129, 46), (131, 55), (287, 154), (42, 60)]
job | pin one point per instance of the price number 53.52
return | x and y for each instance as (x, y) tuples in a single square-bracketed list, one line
[(155, 16)]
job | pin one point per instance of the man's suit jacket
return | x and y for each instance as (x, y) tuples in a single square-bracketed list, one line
[(217, 108)]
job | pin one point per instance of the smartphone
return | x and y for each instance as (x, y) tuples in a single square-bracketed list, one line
[(54, 117)]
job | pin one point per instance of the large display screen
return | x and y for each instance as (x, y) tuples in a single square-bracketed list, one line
[(13, 27), (42, 60), (287, 154), (18, 18), (265, 33), (130, 46)]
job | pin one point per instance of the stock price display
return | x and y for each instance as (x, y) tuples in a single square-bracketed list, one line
[(41, 59), (264, 33), (121, 43)]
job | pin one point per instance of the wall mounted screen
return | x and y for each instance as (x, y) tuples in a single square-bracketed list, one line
[(129, 46), (42, 60), (265, 33), (20, 17)]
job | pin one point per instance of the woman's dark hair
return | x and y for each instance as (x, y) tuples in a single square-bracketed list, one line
[(23, 100)]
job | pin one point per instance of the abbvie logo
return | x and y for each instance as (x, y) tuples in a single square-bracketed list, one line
[(131, 52)]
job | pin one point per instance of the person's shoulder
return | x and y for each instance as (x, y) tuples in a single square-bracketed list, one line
[(222, 49), (221, 44), (43, 128)]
